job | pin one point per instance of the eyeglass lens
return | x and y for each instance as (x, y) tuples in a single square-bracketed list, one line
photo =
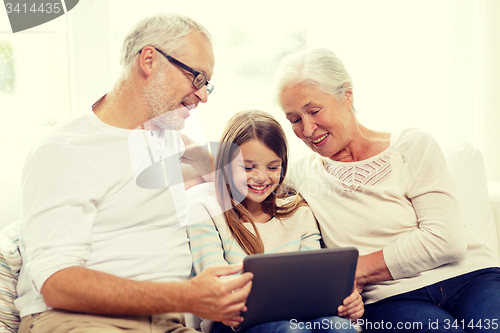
[(199, 81)]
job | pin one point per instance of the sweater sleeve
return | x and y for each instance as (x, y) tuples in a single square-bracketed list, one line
[(440, 236)]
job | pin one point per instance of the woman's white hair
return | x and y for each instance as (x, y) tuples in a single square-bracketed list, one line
[(164, 31), (320, 68)]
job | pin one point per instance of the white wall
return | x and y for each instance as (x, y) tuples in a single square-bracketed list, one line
[(89, 52), (491, 77), (430, 63)]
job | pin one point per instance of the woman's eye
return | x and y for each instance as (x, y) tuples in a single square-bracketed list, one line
[(248, 168), (315, 111), (294, 121)]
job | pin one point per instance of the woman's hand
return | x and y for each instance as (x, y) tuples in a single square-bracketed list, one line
[(352, 307)]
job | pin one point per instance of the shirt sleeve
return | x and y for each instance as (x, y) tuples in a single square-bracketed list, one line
[(310, 232), (440, 236), (59, 208)]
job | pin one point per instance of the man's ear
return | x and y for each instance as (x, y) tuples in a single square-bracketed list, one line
[(146, 60)]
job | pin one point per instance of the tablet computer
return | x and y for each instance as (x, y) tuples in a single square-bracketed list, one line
[(298, 285)]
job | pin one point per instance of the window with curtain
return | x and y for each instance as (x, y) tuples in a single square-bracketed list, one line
[(34, 88), (413, 63)]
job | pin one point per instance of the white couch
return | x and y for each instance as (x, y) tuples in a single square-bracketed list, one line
[(480, 206)]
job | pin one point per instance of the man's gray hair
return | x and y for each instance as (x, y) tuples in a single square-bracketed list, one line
[(164, 31), (319, 68)]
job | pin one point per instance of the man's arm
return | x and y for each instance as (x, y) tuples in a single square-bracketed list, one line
[(84, 290)]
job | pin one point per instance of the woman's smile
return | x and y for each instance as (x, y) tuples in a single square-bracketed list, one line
[(319, 141)]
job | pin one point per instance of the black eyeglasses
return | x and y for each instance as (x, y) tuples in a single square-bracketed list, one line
[(199, 79)]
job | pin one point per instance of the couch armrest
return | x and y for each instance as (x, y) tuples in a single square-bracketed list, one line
[(494, 194)]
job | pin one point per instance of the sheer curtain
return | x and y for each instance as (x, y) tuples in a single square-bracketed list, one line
[(34, 89)]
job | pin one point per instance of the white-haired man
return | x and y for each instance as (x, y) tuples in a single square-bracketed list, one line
[(101, 253)]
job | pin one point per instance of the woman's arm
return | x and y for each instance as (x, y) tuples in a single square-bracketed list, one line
[(439, 236), (371, 268)]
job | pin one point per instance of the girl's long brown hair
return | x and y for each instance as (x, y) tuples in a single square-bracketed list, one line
[(242, 127)]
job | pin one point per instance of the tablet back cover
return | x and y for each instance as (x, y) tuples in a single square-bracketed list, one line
[(298, 285)]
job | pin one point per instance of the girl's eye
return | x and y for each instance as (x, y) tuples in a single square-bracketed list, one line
[(273, 168), (248, 169)]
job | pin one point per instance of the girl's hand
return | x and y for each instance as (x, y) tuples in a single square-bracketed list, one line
[(352, 307)]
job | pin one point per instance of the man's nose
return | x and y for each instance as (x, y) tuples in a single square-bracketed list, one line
[(202, 94)]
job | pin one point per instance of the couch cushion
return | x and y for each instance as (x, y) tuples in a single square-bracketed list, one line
[(467, 167), (10, 264)]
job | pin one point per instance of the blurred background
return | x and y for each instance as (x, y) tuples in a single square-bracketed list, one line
[(431, 64)]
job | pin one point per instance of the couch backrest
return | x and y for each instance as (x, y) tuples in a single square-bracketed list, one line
[(467, 167)]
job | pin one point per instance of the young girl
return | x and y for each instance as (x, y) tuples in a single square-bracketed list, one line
[(248, 211)]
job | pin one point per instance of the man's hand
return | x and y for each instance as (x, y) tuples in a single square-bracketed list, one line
[(219, 299), (190, 176), (198, 157)]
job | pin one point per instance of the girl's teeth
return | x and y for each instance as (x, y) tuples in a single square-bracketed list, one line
[(258, 187)]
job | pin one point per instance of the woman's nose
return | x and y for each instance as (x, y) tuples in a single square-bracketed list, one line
[(309, 127)]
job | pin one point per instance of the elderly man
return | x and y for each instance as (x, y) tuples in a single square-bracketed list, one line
[(100, 252)]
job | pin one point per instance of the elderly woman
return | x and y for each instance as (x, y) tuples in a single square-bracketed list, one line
[(391, 196)]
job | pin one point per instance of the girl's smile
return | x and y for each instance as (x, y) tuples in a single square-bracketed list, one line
[(258, 189)]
